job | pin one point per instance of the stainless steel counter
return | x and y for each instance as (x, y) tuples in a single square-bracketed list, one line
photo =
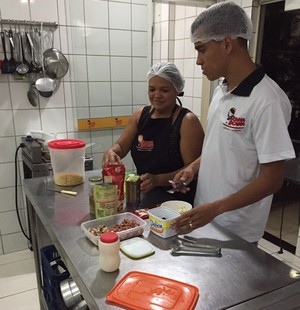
[(243, 273)]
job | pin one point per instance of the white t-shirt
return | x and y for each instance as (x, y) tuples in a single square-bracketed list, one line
[(246, 127)]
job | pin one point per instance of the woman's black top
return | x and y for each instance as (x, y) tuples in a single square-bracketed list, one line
[(156, 150)]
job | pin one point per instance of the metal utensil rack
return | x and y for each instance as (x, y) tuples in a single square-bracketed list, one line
[(9, 22)]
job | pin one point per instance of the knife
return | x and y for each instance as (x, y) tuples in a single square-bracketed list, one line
[(62, 191)]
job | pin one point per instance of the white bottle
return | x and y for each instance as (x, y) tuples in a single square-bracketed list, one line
[(109, 246)]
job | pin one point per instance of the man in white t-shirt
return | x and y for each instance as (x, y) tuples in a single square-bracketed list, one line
[(246, 140)]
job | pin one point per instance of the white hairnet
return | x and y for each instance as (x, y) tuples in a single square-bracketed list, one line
[(168, 71), (221, 20)]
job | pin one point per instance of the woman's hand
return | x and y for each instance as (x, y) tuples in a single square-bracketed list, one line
[(111, 158), (148, 182)]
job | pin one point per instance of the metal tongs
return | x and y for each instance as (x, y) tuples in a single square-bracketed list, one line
[(191, 246)]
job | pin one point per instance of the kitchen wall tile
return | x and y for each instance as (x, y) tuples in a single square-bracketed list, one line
[(100, 94), (4, 77), (188, 88), (122, 110), (187, 28), (190, 11), (71, 120), (119, 15), (120, 43), (164, 12), (19, 98), (103, 140), (164, 30), (79, 94), (121, 69), (140, 94), (121, 93), (74, 12), (197, 92), (98, 68), (77, 68), (198, 71), (187, 102), (200, 10), (139, 1), (97, 160), (5, 96), (76, 40), (179, 29), (140, 44), (45, 10), (64, 37), (180, 12), (9, 11), (7, 170), (180, 65), (14, 242), (197, 106), (83, 113), (96, 13), (189, 68), (189, 51), (97, 42), (57, 100), (8, 148), (156, 50), (100, 112), (47, 117), (156, 33), (61, 7), (179, 49), (32, 121), (140, 68), (6, 123), (139, 22), (165, 52)]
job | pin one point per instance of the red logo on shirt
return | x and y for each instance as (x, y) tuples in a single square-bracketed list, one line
[(233, 122), (144, 145)]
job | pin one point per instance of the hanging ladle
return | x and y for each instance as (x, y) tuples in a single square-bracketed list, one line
[(22, 68), (5, 66)]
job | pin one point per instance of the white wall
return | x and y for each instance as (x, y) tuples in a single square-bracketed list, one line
[(107, 44)]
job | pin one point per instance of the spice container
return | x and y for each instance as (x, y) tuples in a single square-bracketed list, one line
[(92, 181), (109, 257)]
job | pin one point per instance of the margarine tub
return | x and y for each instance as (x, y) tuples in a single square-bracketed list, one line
[(161, 220)]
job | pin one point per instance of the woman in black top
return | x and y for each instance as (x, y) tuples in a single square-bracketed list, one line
[(162, 138)]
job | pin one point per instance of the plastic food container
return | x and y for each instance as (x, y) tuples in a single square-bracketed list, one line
[(113, 220), (177, 205), (161, 220), (67, 160), (139, 290)]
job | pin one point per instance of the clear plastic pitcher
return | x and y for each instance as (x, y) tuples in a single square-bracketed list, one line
[(67, 160)]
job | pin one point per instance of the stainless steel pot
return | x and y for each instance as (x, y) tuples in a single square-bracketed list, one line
[(70, 292)]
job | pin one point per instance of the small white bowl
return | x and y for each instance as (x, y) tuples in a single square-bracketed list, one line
[(177, 205)]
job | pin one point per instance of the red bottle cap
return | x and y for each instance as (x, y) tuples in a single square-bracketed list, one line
[(109, 237)]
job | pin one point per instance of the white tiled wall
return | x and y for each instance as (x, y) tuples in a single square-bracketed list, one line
[(107, 44)]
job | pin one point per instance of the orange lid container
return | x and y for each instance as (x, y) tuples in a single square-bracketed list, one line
[(143, 291)]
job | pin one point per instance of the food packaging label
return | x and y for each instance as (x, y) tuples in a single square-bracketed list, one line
[(105, 196)]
